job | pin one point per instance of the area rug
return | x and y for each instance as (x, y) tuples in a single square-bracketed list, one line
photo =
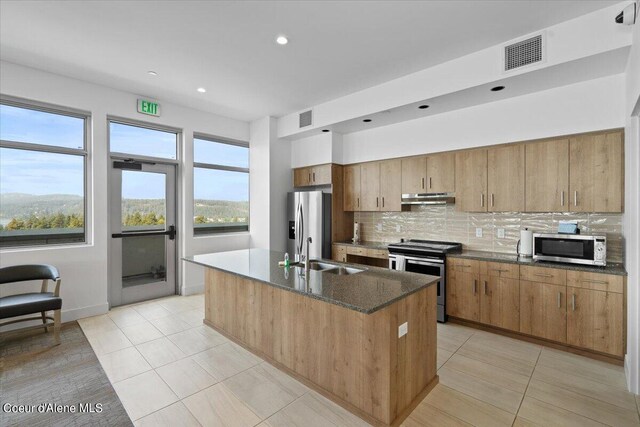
[(57, 385)]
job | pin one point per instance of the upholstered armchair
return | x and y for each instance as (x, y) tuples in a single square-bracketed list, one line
[(32, 302)]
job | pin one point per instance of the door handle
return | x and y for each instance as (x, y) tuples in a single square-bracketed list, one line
[(542, 275), (482, 199), (562, 198), (492, 203), (309, 176), (314, 177), (377, 203), (383, 201), (485, 287), (422, 183), (171, 232), (559, 299), (429, 182), (358, 201), (475, 286), (573, 302), (575, 198)]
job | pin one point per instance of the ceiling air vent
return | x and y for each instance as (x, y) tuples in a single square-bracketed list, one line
[(523, 53), (306, 119)]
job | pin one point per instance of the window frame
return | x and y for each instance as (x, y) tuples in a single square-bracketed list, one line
[(26, 242), (203, 229)]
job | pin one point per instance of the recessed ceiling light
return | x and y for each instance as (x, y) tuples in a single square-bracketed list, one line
[(497, 88), (282, 40), (422, 107), (152, 73), (366, 120), (201, 90), (325, 130)]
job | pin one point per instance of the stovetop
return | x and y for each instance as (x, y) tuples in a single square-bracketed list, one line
[(425, 246)]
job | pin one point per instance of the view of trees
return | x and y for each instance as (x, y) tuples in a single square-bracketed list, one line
[(138, 218), (58, 220)]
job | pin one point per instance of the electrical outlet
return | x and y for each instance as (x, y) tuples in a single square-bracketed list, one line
[(500, 233), (379, 226), (403, 329), (478, 232), (398, 228)]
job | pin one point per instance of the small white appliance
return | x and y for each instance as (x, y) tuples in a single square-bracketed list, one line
[(525, 244)]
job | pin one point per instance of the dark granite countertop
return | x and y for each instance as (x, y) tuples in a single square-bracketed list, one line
[(611, 268), (369, 245), (366, 292)]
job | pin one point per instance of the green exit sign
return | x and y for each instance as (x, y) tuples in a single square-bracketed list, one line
[(148, 107)]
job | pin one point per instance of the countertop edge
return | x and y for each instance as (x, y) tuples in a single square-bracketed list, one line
[(317, 297)]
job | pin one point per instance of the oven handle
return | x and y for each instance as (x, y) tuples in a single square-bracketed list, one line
[(421, 262)]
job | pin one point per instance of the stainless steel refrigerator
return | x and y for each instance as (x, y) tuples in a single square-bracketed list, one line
[(309, 215)]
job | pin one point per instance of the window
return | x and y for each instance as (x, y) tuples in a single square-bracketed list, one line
[(42, 175), (220, 185), (142, 141)]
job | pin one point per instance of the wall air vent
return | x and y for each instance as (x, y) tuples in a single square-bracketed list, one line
[(306, 119), (524, 52)]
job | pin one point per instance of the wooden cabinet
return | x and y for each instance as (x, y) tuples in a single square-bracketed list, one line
[(351, 195), (390, 185), (370, 186), (547, 176), (595, 316), (596, 172), (500, 295), (543, 310), (441, 173), (463, 300), (414, 175), (505, 178), (312, 175), (471, 180), (339, 253)]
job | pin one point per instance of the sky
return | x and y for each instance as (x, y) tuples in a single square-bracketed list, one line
[(30, 172)]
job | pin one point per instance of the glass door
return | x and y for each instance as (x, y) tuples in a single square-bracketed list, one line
[(143, 239)]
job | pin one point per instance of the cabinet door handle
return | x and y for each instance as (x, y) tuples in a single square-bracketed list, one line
[(602, 282), (314, 177), (482, 199), (542, 275), (559, 299), (377, 202), (492, 201), (573, 302), (575, 198), (358, 201), (475, 286), (422, 183), (485, 287), (383, 201), (310, 177), (562, 198), (429, 182)]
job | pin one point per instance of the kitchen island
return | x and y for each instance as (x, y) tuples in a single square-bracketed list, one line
[(336, 330)]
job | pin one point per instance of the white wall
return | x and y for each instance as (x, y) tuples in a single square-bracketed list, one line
[(592, 105), (84, 268), (271, 179), (632, 211)]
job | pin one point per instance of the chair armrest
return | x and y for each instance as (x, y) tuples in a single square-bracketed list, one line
[(56, 291), (45, 287)]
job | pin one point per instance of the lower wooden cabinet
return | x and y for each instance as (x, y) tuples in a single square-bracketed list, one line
[(463, 299), (594, 320), (339, 253), (577, 308), (543, 310), (500, 302)]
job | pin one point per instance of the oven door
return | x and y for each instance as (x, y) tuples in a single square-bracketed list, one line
[(431, 266)]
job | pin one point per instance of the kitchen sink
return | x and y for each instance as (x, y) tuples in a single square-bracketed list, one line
[(333, 268), (320, 266)]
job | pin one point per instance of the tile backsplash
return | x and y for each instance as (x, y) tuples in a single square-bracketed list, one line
[(443, 222)]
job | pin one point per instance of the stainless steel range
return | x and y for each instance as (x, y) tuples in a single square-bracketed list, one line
[(426, 257)]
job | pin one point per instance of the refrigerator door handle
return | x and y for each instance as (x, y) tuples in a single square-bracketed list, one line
[(299, 229)]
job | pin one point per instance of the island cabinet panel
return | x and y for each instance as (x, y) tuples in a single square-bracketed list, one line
[(547, 176), (352, 188), (414, 175), (441, 173), (471, 180), (596, 172), (355, 359)]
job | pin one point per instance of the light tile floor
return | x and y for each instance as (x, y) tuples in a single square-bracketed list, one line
[(171, 370)]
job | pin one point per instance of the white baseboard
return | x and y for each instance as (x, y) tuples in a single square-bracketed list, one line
[(193, 289), (67, 316)]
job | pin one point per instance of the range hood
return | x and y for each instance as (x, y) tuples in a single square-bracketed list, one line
[(428, 199)]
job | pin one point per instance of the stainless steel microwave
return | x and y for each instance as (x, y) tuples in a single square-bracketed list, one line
[(570, 248)]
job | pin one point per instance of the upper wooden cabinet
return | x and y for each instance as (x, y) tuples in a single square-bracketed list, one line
[(547, 176), (596, 172), (414, 175), (370, 186), (505, 178), (351, 196), (390, 185), (471, 180), (441, 173), (312, 175)]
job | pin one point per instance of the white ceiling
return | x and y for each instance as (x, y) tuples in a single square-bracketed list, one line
[(228, 47)]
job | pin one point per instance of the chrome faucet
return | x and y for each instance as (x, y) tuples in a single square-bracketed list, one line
[(307, 258)]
